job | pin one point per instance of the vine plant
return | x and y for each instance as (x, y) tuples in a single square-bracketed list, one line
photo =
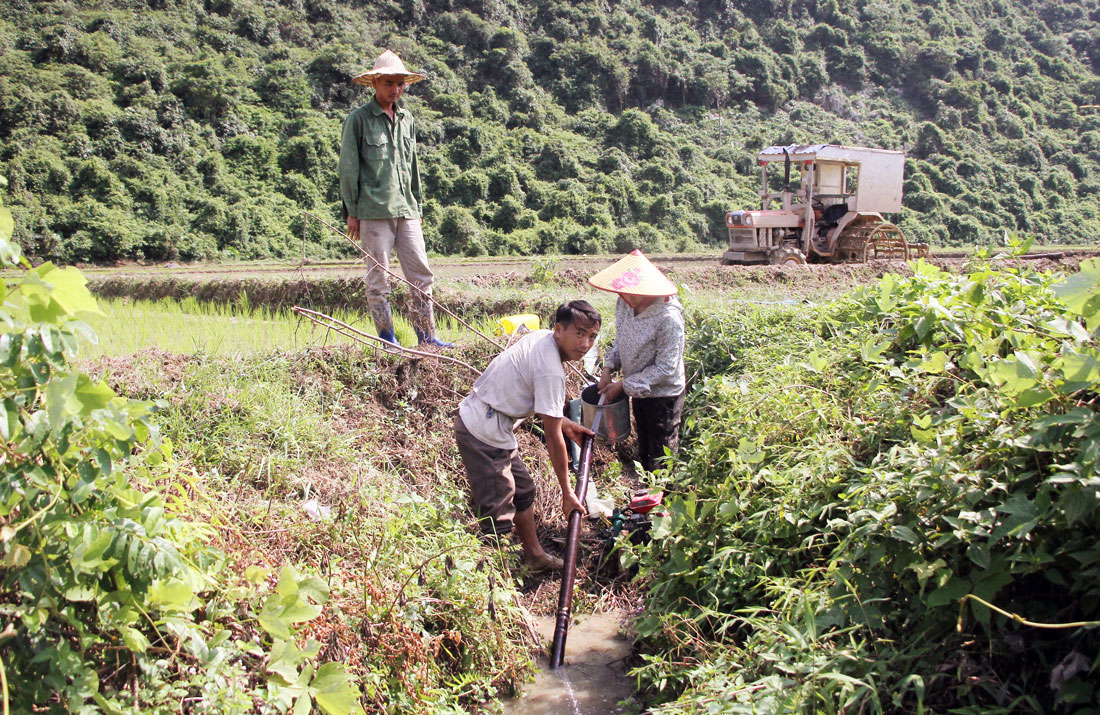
[(110, 601)]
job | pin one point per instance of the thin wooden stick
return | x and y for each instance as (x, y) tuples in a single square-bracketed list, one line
[(422, 293), (327, 321), (1017, 617)]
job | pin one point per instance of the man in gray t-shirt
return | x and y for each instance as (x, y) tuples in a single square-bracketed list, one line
[(526, 379)]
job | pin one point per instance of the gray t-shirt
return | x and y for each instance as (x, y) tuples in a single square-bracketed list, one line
[(528, 378)]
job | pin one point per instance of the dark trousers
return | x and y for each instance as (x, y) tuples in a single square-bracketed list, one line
[(658, 423)]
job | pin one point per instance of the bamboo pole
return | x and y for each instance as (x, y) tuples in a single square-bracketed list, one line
[(424, 294), (327, 321)]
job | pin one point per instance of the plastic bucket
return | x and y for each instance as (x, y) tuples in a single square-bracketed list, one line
[(512, 323), (615, 420)]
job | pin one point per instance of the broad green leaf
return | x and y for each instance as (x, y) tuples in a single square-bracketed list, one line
[(871, 350), (750, 451), (317, 590), (815, 362), (904, 533), (134, 639), (9, 421), (173, 594), (280, 612), (304, 705), (1081, 370), (288, 581), (80, 592), (17, 556), (87, 556), (92, 395), (58, 392), (70, 291), (1081, 291), (886, 301), (935, 364), (256, 574), (271, 618), (979, 554), (1034, 397), (104, 461), (1013, 375), (10, 346), (926, 570), (955, 589), (285, 660), (334, 691)]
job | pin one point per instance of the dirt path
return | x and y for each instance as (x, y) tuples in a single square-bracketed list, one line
[(452, 267)]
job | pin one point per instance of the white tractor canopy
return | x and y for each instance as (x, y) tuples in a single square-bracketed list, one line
[(878, 172)]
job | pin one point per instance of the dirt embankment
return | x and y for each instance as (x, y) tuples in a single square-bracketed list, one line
[(464, 292), (405, 420)]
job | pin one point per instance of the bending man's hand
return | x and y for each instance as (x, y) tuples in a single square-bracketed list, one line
[(613, 391), (575, 431), (353, 227), (569, 502)]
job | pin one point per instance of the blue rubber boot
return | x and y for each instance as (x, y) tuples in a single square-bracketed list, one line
[(429, 339), (389, 337)]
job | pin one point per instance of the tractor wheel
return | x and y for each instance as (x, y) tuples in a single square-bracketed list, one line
[(787, 256), (853, 246), (886, 241)]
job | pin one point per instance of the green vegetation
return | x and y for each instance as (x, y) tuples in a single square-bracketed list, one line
[(185, 327), (187, 129), (860, 487), (138, 576)]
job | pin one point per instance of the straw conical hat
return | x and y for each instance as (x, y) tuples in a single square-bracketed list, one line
[(633, 274), (387, 64)]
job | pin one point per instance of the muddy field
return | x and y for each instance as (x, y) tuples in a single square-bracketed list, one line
[(489, 288), (457, 268)]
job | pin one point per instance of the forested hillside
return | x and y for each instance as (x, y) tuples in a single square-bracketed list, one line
[(186, 129)]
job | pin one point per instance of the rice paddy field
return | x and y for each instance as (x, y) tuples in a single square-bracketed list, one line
[(191, 327)]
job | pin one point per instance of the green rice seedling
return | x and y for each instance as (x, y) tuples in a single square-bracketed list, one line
[(190, 327)]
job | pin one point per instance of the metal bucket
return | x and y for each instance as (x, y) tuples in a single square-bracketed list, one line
[(615, 422)]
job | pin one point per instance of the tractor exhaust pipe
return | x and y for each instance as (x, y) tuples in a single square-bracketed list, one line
[(786, 171)]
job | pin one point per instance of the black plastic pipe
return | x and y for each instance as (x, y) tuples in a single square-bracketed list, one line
[(569, 561)]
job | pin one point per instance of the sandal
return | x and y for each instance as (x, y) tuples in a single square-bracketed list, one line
[(545, 563)]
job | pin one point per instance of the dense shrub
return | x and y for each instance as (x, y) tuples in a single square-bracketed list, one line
[(561, 91), (876, 504)]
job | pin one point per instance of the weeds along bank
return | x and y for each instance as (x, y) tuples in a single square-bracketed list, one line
[(221, 546), (887, 506)]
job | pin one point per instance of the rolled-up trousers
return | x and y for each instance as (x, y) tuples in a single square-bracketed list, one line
[(405, 237)]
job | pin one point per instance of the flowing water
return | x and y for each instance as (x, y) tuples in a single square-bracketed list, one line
[(593, 679)]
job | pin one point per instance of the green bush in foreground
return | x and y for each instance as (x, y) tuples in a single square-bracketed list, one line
[(864, 523), (112, 601)]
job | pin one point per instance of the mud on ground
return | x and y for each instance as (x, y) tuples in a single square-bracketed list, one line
[(468, 292)]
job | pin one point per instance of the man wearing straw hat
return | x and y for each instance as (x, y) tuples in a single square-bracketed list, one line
[(382, 195), (649, 349)]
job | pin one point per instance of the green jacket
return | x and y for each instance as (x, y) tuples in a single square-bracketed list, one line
[(379, 175)]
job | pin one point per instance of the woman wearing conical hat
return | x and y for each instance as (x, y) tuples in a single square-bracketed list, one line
[(649, 351)]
